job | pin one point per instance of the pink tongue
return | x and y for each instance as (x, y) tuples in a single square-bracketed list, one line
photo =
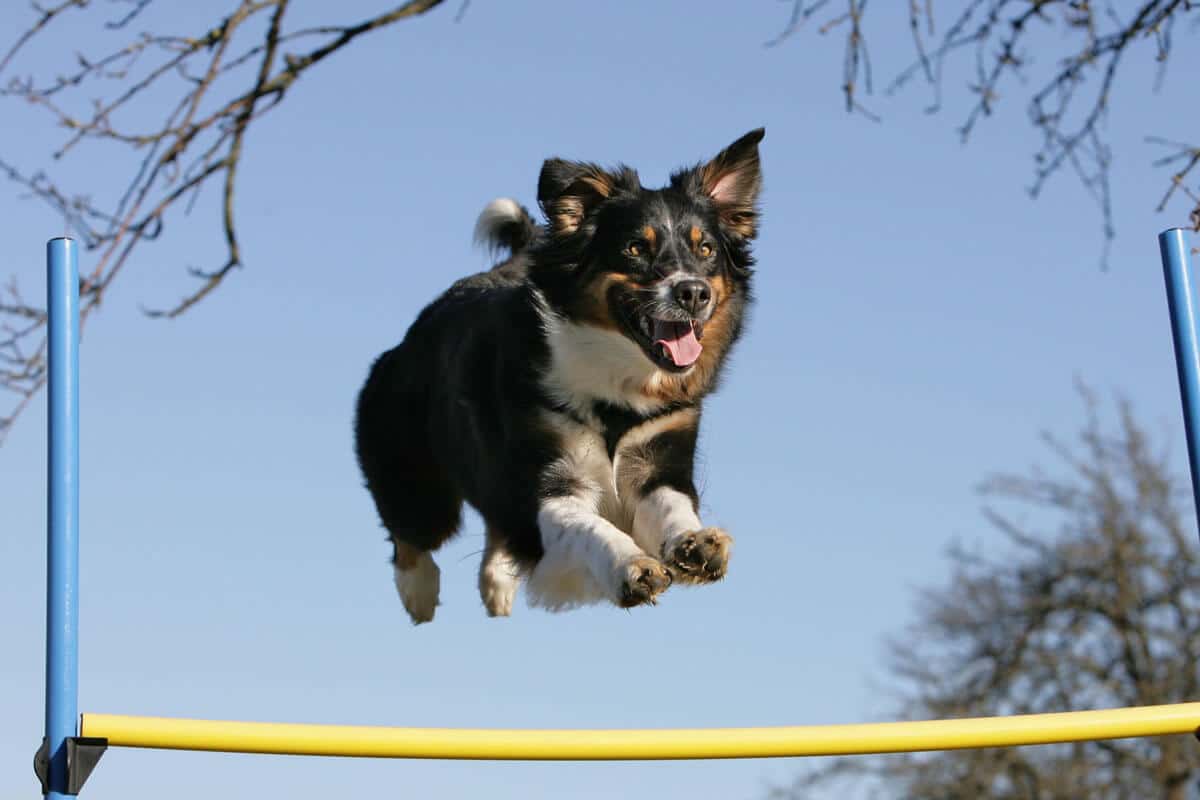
[(679, 339)]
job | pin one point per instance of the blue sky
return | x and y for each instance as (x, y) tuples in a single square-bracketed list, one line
[(920, 321)]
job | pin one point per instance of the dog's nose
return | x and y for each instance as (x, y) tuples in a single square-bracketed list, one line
[(692, 295)]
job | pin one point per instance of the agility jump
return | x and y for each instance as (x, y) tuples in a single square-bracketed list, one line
[(74, 743)]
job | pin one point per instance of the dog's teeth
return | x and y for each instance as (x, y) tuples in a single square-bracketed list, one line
[(645, 326)]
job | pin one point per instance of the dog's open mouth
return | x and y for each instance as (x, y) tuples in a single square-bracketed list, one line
[(671, 344)]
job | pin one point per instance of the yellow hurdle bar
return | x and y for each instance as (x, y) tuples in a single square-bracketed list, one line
[(629, 745)]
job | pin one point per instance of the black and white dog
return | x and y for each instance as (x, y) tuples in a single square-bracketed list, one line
[(559, 393)]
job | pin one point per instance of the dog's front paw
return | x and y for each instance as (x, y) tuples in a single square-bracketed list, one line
[(643, 579), (699, 556)]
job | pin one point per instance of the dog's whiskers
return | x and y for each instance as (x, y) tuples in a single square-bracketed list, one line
[(657, 308)]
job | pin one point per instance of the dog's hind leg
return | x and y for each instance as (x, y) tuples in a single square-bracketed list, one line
[(419, 506), (426, 515), (418, 502), (420, 510), (499, 576)]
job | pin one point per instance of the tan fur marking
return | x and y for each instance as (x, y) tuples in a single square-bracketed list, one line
[(406, 555), (650, 235), (743, 223), (601, 184), (634, 463), (566, 212), (695, 235), (592, 306), (720, 288)]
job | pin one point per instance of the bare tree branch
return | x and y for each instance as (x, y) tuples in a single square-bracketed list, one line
[(222, 80), (1070, 101), (48, 15)]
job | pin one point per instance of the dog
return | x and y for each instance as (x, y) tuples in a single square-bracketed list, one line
[(559, 393)]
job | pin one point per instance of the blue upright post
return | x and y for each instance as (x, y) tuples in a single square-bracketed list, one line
[(62, 551), (1181, 300)]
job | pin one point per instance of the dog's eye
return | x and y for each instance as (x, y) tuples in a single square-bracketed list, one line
[(635, 249), (706, 250)]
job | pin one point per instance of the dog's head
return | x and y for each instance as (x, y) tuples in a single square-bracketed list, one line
[(668, 269)]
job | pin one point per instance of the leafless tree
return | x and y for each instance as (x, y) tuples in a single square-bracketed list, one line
[(1067, 95), (218, 82), (1094, 604)]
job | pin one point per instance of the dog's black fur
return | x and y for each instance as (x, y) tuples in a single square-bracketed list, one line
[(472, 405)]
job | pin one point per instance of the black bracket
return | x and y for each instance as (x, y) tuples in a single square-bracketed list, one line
[(83, 753)]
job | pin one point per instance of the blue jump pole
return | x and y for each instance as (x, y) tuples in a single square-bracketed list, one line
[(1181, 300), (62, 551)]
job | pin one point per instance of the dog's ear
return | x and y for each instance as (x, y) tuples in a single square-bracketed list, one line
[(569, 190), (733, 180)]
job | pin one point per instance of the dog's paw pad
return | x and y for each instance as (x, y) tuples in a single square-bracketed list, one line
[(643, 580), (699, 556)]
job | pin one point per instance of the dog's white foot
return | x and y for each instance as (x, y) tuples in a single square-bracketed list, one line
[(640, 581), (498, 581), (699, 556), (497, 589), (419, 586)]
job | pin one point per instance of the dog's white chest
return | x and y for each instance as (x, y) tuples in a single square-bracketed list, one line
[(589, 364)]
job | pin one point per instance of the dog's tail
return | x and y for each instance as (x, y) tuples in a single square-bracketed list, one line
[(505, 224)]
